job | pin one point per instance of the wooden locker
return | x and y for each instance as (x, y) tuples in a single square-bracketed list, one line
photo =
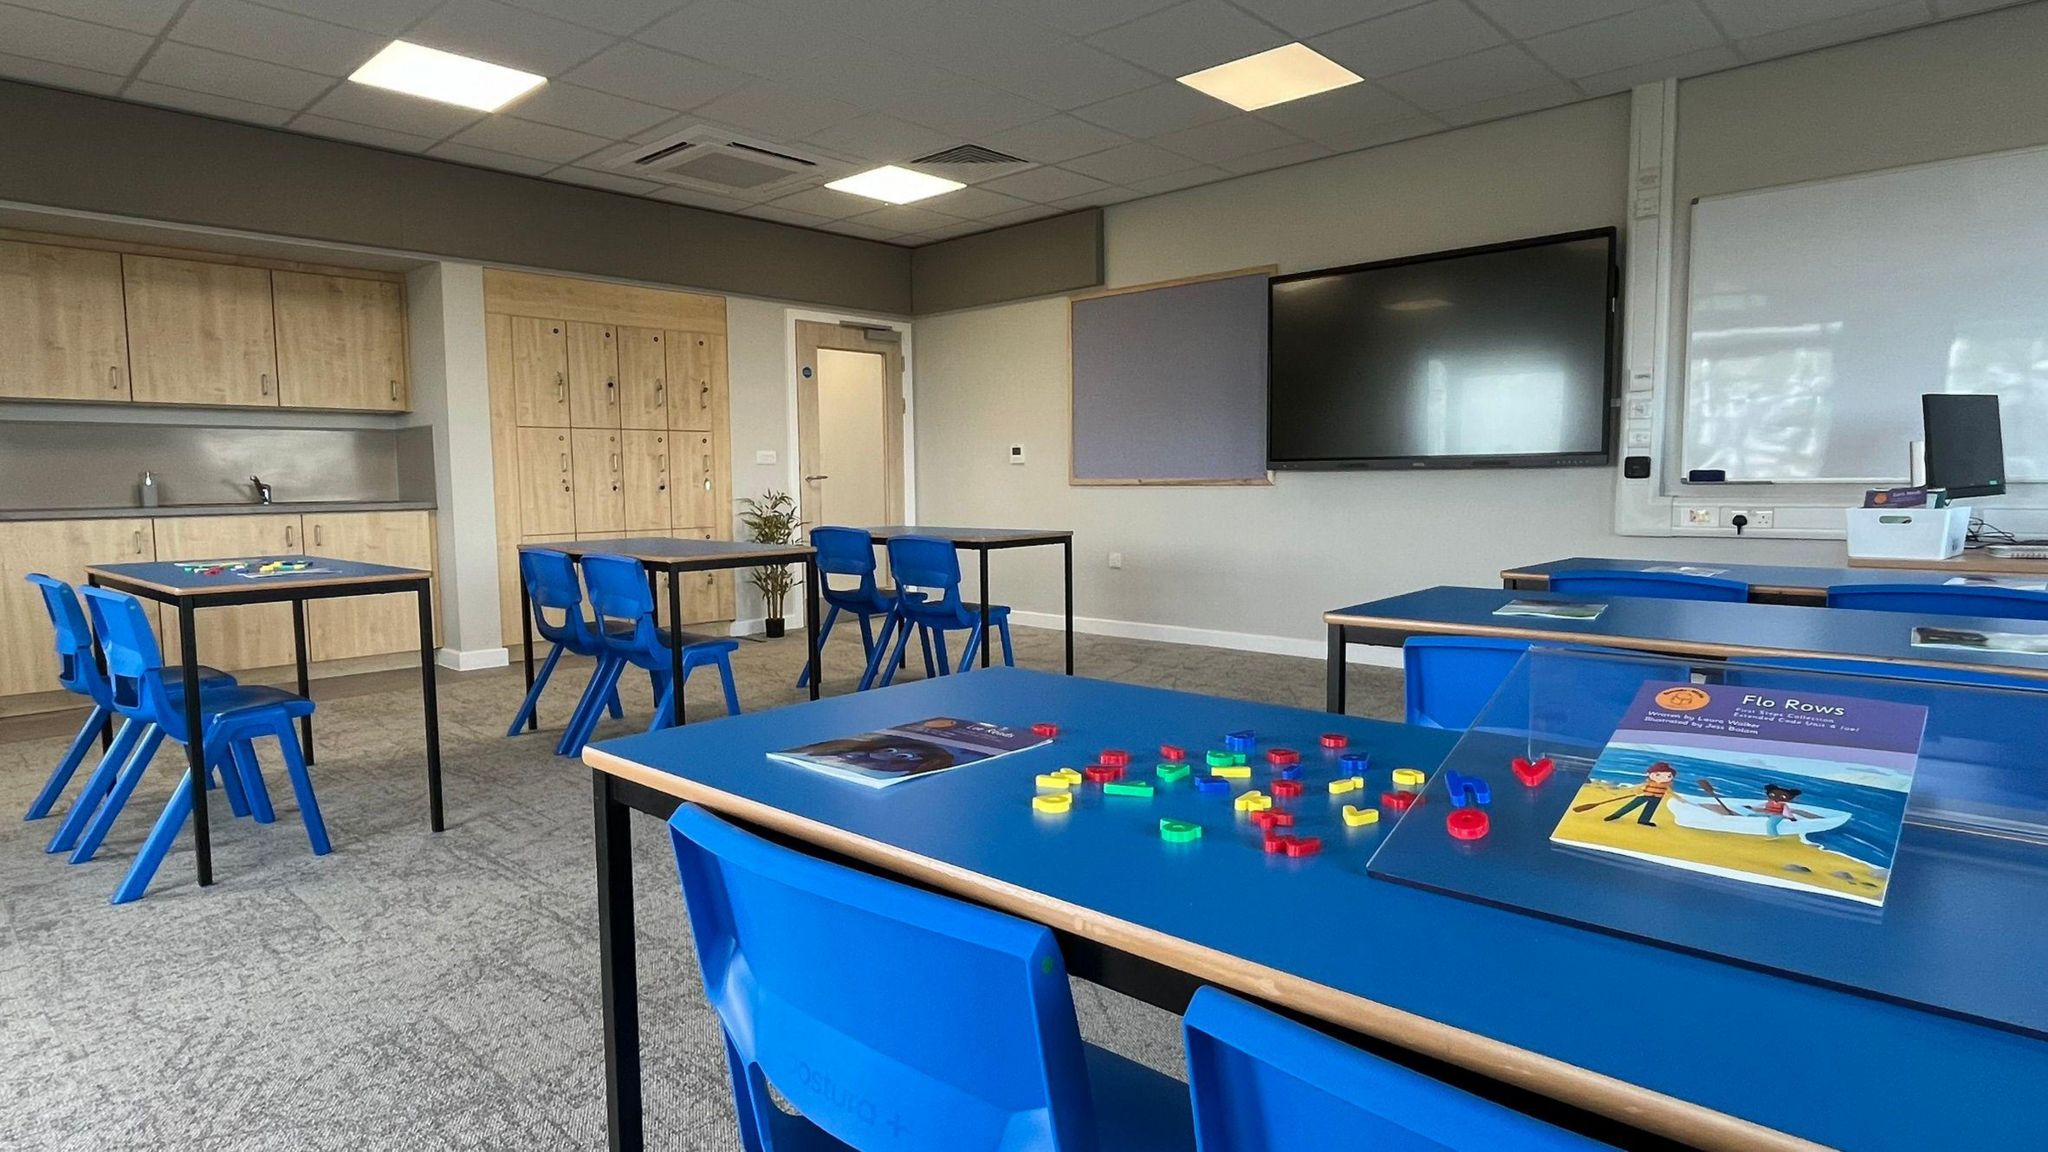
[(547, 484), (539, 366), (598, 460), (593, 376), (697, 376), (246, 635), (696, 482), (340, 342), (643, 378), (65, 322), (646, 477), (708, 596), (200, 333)]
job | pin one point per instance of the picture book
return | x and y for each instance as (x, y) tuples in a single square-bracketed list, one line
[(1551, 610), (1791, 789), (909, 751)]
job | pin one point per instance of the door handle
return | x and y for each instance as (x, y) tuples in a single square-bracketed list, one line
[(815, 479)]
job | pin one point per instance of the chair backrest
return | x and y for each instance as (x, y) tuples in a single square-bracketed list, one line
[(1659, 585), (893, 1018), (77, 669), (552, 586), (1262, 1083), (1942, 600), (1449, 679), (931, 566), (623, 606), (1452, 681), (847, 552), (133, 658)]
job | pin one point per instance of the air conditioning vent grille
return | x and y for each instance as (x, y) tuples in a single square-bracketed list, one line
[(968, 154)]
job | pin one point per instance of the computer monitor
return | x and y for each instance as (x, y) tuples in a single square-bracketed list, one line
[(1965, 452)]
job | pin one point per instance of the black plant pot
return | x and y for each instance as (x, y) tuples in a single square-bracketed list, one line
[(774, 627)]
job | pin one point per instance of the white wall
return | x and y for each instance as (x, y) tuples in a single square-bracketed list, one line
[(757, 344), (1266, 562)]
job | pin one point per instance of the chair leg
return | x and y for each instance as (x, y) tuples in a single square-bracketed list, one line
[(540, 681), (924, 638), (664, 701), (867, 636), (896, 661), (220, 758), (1009, 656), (302, 787), (242, 753), (73, 757), (97, 784), (938, 638), (973, 646), (124, 785), (879, 652), (613, 705), (732, 691), (159, 842), (803, 678), (596, 694)]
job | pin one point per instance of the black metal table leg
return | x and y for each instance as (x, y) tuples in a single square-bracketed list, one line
[(811, 618), (430, 699), (526, 638), (1067, 548), (675, 644), (99, 659), (986, 639), (1335, 700), (305, 686), (618, 978), (195, 742)]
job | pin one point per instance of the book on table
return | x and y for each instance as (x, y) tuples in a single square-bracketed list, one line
[(890, 756)]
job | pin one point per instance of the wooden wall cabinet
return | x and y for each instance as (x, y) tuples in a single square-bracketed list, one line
[(697, 371), (643, 378), (697, 480), (593, 376), (63, 325), (200, 333), (546, 478), (646, 476), (538, 362), (60, 548), (340, 342), (352, 626)]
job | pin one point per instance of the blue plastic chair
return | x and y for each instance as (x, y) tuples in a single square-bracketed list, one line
[(1655, 585), (927, 572), (628, 637), (1942, 600), (1450, 681), (894, 1019), (552, 586), (1263, 1083), (231, 719), (78, 671), (851, 552)]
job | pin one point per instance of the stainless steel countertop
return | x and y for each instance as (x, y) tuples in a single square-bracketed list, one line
[(282, 508)]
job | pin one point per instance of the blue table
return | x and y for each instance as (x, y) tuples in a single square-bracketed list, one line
[(1691, 628), (1768, 583), (175, 583), (1587, 1019)]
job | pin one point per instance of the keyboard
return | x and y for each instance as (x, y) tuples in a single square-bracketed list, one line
[(2019, 551)]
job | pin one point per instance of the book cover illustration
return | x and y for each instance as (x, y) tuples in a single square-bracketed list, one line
[(908, 751), (1550, 610), (1790, 789)]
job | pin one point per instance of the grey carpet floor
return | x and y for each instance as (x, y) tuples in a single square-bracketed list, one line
[(414, 991)]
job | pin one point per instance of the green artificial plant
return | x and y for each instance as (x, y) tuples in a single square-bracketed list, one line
[(772, 519)]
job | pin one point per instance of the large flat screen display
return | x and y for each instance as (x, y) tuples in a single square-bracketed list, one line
[(1495, 356)]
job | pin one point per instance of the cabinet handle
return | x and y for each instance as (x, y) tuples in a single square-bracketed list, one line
[(565, 463), (615, 461), (316, 535), (288, 537), (561, 388), (660, 388), (138, 541), (263, 381), (394, 389), (114, 377), (611, 391)]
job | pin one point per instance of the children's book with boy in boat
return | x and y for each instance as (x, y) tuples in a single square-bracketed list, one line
[(1792, 789), (907, 751)]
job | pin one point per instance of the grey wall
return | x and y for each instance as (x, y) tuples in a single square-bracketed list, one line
[(68, 150), (98, 465), (1037, 258)]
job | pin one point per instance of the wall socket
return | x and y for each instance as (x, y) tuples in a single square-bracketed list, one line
[(1116, 559), (1702, 517)]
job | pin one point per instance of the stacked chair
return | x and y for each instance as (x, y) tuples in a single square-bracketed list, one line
[(552, 586)]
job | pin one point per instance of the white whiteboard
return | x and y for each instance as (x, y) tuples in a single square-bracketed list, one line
[(1818, 314)]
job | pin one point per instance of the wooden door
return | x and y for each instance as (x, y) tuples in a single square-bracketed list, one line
[(347, 627), (340, 342), (65, 326), (697, 380), (646, 477), (539, 366), (60, 548), (200, 333), (246, 635), (597, 457), (707, 596), (696, 479), (813, 340), (547, 482), (593, 376), (643, 378)]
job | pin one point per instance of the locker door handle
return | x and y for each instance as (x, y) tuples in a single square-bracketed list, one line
[(561, 387), (611, 391), (565, 463)]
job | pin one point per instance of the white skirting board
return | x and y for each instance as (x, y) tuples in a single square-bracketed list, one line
[(1210, 638), (473, 660)]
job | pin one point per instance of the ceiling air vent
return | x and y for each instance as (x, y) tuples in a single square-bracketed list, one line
[(968, 154), (716, 161), (969, 163)]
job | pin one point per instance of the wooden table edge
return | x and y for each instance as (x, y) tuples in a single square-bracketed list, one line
[(1704, 648), (405, 577), (1629, 1103)]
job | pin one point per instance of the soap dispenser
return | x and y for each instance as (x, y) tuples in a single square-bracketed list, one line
[(149, 490)]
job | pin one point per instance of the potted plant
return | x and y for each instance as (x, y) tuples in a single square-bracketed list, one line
[(772, 519)]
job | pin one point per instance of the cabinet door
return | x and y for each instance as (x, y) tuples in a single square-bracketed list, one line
[(707, 596), (351, 626), (540, 372), (643, 378), (646, 480), (697, 380), (696, 491), (200, 333), (600, 481), (65, 324), (246, 635), (340, 342), (593, 376), (60, 548), (547, 484)]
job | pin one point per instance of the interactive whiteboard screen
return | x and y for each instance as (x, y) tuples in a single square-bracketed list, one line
[(1818, 314)]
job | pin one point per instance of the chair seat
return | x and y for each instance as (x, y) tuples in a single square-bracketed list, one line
[(233, 700), (209, 677), (970, 616), (1135, 1107), (696, 640)]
